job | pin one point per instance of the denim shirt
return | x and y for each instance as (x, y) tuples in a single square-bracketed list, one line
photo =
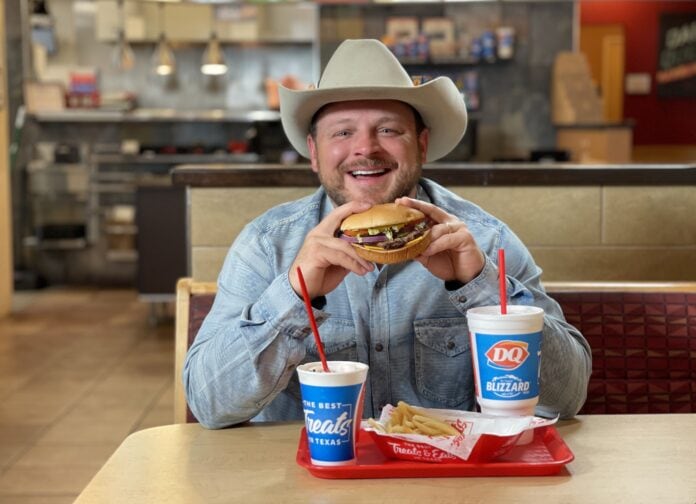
[(399, 319)]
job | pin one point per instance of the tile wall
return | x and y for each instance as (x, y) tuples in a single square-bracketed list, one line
[(574, 233)]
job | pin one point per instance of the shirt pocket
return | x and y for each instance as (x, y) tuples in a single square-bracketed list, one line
[(340, 344), (443, 360), (339, 338)]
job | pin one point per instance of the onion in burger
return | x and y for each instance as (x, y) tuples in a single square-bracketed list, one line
[(388, 233)]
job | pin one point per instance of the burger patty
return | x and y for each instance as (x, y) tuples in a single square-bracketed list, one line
[(401, 241), (387, 240)]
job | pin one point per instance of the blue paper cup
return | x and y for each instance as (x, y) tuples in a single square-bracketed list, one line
[(333, 404), (507, 352)]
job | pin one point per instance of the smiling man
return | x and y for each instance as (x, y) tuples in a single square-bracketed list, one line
[(369, 151), (367, 130)]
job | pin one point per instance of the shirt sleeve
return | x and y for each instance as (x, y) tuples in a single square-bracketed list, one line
[(566, 361), (251, 340)]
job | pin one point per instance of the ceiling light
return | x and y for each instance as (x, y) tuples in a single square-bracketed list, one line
[(124, 59), (213, 58), (163, 57)]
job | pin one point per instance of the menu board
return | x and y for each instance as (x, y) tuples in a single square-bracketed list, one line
[(676, 65)]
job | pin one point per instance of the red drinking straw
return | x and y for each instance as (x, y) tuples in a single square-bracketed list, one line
[(312, 321), (501, 281)]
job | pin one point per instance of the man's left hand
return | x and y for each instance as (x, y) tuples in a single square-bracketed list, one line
[(453, 253)]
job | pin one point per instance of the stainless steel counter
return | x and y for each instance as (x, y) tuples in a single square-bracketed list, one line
[(154, 115)]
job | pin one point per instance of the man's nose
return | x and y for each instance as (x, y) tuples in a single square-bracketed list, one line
[(366, 143)]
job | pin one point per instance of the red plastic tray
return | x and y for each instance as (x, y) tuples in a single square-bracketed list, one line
[(546, 455)]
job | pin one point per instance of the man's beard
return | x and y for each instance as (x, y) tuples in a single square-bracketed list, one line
[(405, 182)]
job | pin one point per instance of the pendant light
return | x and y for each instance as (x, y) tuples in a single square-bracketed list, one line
[(123, 57), (163, 57), (213, 57)]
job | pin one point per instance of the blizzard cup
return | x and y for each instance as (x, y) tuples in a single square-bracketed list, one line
[(506, 353), (333, 404)]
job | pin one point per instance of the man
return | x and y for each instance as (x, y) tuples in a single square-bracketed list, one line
[(367, 131)]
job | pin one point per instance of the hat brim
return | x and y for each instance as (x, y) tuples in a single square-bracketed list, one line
[(438, 101)]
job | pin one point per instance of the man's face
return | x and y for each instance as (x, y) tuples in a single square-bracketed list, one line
[(367, 150)]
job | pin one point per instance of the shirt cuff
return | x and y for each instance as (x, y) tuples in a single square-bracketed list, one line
[(285, 310), (481, 291)]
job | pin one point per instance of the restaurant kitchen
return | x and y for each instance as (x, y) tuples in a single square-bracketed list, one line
[(117, 93)]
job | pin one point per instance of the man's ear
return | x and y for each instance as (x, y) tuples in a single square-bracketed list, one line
[(423, 140), (312, 146)]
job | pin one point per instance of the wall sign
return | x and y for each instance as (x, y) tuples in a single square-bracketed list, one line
[(676, 65)]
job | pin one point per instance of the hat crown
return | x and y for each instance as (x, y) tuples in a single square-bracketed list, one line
[(363, 63), (367, 70)]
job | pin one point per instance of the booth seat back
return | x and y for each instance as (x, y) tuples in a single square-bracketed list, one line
[(642, 335), (643, 340)]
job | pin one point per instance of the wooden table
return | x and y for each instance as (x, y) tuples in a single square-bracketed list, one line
[(618, 458)]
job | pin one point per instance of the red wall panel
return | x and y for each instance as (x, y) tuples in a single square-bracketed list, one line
[(658, 120)]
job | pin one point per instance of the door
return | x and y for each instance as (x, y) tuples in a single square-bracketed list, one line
[(604, 47), (6, 275)]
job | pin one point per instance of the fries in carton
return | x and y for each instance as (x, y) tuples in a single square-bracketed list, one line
[(437, 435)]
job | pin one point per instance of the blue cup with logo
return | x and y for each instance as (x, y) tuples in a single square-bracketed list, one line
[(506, 352), (332, 404)]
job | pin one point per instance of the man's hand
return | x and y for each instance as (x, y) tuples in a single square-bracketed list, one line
[(453, 253), (324, 259)]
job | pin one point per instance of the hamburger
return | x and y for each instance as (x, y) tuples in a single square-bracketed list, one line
[(387, 233)]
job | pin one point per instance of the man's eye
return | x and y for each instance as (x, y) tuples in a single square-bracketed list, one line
[(341, 133), (388, 131)]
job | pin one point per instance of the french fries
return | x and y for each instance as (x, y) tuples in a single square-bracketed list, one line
[(405, 419)]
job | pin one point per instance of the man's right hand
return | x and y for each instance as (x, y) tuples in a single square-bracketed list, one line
[(324, 259)]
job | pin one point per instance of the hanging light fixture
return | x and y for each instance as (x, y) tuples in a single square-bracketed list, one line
[(165, 64), (163, 57), (123, 57), (213, 58)]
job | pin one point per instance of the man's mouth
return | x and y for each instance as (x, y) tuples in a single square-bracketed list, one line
[(369, 173)]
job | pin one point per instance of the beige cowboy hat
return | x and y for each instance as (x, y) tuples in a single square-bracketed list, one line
[(367, 70)]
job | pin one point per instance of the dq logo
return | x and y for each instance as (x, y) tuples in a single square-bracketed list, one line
[(507, 355)]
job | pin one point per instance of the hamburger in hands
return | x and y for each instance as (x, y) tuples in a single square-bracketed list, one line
[(387, 233)]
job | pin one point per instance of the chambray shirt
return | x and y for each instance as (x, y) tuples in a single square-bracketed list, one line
[(401, 320)]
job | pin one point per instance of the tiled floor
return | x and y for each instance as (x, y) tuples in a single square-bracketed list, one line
[(80, 369)]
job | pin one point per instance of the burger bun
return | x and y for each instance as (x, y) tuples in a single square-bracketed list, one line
[(386, 214)]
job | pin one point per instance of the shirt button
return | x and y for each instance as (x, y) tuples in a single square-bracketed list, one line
[(461, 299), (379, 347), (450, 345)]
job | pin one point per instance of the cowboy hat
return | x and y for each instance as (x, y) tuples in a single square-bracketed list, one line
[(367, 70)]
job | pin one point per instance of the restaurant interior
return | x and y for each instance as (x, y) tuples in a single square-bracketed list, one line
[(139, 137)]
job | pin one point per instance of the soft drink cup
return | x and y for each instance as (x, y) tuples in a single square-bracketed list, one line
[(332, 404), (506, 353)]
